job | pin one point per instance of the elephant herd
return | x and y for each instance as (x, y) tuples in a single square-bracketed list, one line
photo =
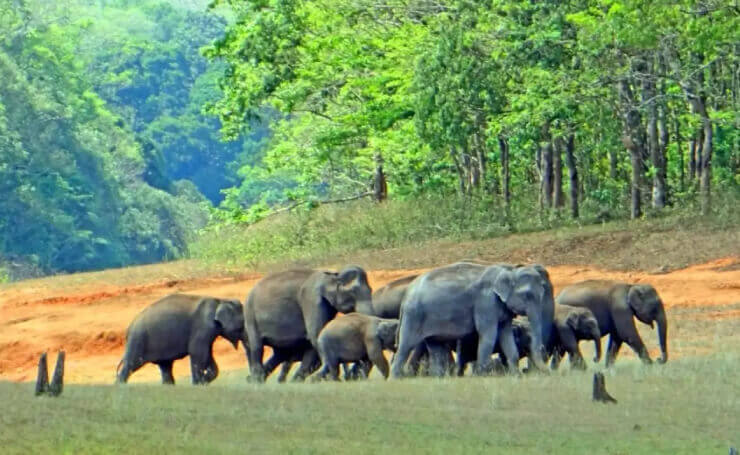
[(447, 318)]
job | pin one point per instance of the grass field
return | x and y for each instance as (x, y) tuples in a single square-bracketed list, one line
[(688, 406)]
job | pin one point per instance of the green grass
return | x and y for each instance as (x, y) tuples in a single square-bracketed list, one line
[(428, 232), (688, 406)]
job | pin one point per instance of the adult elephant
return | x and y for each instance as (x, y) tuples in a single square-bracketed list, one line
[(286, 309), (386, 301), (614, 304), (176, 326), (453, 302)]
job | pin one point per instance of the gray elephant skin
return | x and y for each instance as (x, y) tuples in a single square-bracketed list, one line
[(287, 310), (463, 299), (615, 304), (570, 325), (387, 300), (177, 326), (355, 337)]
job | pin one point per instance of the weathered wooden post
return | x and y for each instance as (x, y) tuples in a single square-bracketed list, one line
[(380, 186), (57, 381), (42, 378), (600, 393)]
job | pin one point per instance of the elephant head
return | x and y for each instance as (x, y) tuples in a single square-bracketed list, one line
[(387, 330), (229, 318), (648, 308), (585, 326), (349, 291), (527, 291)]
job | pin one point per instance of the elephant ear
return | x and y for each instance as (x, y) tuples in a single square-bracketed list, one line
[(330, 289), (387, 333), (503, 284), (347, 275), (229, 316), (642, 299), (573, 320)]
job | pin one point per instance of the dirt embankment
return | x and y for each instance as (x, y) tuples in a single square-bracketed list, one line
[(89, 319)]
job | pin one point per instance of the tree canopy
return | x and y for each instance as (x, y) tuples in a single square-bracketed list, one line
[(637, 100)]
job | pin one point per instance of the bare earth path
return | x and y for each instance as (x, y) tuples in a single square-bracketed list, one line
[(88, 318)]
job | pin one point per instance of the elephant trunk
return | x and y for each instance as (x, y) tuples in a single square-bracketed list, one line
[(541, 321), (536, 347), (596, 335), (662, 335)]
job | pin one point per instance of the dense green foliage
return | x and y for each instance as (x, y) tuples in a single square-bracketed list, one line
[(99, 124), (502, 99)]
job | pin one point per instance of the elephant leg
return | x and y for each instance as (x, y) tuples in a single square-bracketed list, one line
[(360, 370), (350, 372), (569, 343), (128, 368), (418, 356), (509, 348), (465, 353), (375, 354), (366, 366), (486, 341), (625, 326), (165, 367), (438, 365), (284, 371), (407, 342), (309, 364), (256, 369), (451, 367), (557, 356), (612, 349), (280, 356)]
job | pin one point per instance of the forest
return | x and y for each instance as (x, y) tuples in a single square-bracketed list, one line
[(128, 126)]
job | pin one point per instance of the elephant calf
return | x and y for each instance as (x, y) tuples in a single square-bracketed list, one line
[(355, 337), (176, 326), (573, 324)]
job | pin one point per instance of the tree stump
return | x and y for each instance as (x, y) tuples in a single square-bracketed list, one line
[(57, 381), (600, 393), (42, 378)]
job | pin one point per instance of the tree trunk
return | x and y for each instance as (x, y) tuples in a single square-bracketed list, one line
[(633, 140), (679, 148), (458, 166), (557, 173), (570, 161), (648, 97), (546, 170), (660, 190), (692, 157), (380, 186), (705, 165), (699, 153), (480, 148), (504, 146)]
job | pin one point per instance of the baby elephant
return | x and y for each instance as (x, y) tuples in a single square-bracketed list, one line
[(355, 337), (176, 326)]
